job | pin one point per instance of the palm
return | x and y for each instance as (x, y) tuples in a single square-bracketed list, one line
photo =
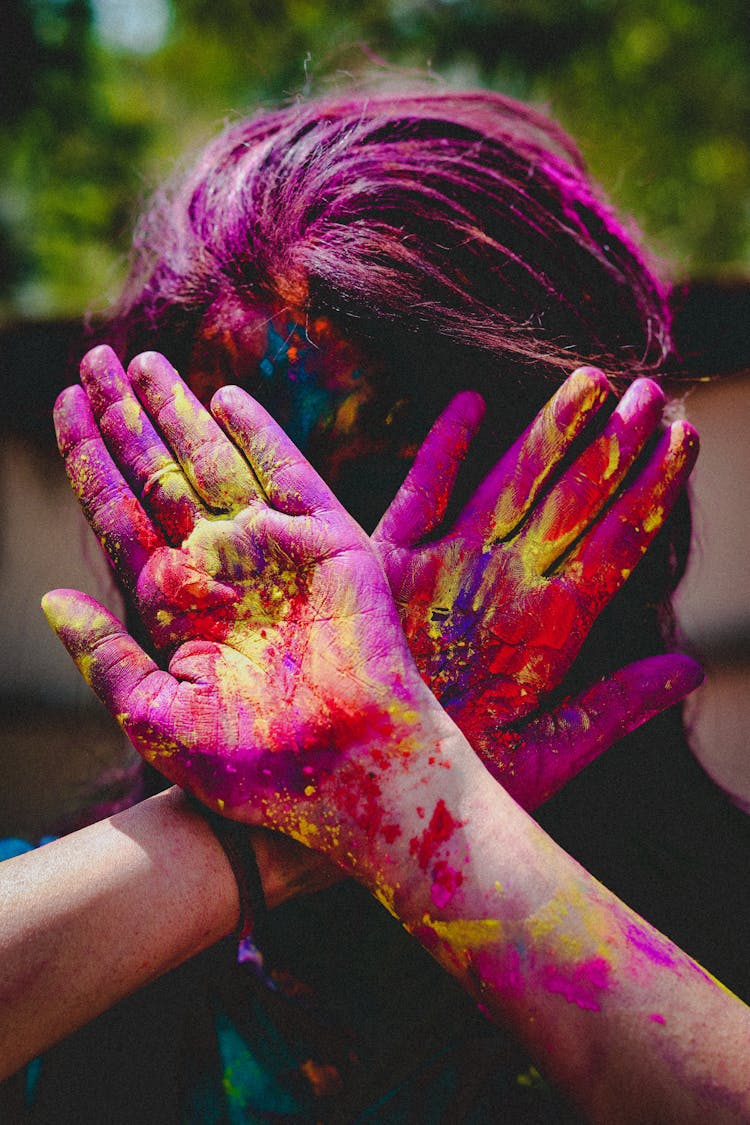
[(486, 634), (284, 641), (207, 586), (496, 611)]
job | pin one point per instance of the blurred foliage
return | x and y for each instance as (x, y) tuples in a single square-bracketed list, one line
[(98, 98)]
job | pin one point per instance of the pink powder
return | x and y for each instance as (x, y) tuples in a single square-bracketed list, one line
[(580, 985)]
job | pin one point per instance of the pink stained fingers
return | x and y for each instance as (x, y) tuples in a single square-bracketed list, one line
[(119, 521), (512, 487), (214, 466), (420, 503), (588, 485), (290, 483), (551, 749), (604, 558), (137, 449)]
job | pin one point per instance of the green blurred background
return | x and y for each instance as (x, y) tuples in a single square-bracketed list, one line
[(99, 97)]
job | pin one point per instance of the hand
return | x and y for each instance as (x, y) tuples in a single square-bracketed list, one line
[(496, 610), (290, 698)]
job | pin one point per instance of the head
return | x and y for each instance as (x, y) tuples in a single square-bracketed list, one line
[(353, 261)]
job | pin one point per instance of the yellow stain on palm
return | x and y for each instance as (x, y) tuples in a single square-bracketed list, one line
[(83, 621), (200, 426), (532, 553), (453, 576), (86, 665), (266, 598), (403, 714), (170, 478), (163, 748), (613, 459), (185, 407)]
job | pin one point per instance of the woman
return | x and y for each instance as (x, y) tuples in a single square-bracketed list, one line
[(357, 315), (457, 241)]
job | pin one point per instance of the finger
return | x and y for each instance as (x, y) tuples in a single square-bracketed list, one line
[(420, 503), (117, 518), (214, 466), (136, 447), (108, 658), (295, 542), (593, 479), (288, 480), (555, 747), (510, 490), (605, 558)]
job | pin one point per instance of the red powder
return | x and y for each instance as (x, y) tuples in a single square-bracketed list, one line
[(438, 831)]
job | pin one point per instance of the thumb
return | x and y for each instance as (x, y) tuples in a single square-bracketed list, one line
[(111, 662), (553, 748)]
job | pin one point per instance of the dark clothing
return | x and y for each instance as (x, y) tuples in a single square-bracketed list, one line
[(353, 1022)]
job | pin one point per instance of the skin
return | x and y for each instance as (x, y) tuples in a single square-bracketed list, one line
[(134, 896), (294, 702), (452, 594), (495, 611), (467, 602)]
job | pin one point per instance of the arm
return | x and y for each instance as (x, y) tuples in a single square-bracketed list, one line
[(335, 739), (93, 916), (628, 1025)]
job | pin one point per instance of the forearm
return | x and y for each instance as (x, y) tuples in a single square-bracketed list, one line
[(620, 1018), (90, 918)]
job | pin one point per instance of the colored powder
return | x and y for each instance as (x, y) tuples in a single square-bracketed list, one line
[(509, 976), (445, 882), (463, 935), (132, 415), (580, 986), (658, 950), (439, 831)]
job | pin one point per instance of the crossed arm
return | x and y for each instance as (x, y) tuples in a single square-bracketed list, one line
[(296, 704)]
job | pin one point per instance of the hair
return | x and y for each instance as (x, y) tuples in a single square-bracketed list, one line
[(469, 210), (455, 236)]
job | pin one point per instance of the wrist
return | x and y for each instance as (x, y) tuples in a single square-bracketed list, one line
[(400, 811), (286, 868)]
